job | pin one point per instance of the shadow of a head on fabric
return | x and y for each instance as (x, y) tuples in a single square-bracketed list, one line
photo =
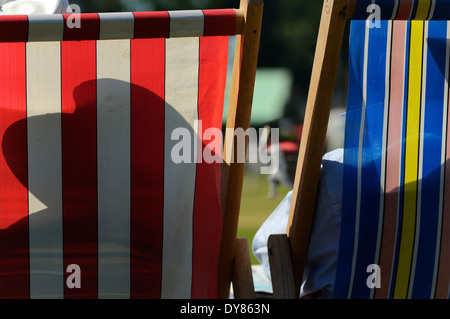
[(55, 156), (64, 144), (80, 127)]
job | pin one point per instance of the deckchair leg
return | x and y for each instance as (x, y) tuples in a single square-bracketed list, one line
[(281, 267), (243, 287)]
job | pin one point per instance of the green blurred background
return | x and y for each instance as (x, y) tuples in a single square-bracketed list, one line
[(255, 206)]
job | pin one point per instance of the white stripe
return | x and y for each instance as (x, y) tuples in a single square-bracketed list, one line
[(360, 149), (116, 25), (420, 167), (395, 11), (113, 140), (384, 146), (412, 9), (45, 169), (181, 98), (45, 27), (186, 23), (433, 7)]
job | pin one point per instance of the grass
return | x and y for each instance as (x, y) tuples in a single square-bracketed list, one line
[(256, 207)]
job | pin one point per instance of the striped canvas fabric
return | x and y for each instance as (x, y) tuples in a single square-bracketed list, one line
[(86, 170), (118, 25), (403, 9), (396, 203)]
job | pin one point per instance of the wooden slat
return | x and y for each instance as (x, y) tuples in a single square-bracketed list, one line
[(281, 267), (239, 113), (240, 21), (243, 287), (318, 106)]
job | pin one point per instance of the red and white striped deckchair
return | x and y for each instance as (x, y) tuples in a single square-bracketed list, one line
[(395, 207), (92, 203)]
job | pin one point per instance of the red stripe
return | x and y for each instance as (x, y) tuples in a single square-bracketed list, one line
[(78, 65), (151, 25), (13, 28), (14, 261), (404, 9), (87, 29), (147, 166), (207, 213), (220, 22)]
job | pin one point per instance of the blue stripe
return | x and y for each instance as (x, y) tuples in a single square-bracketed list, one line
[(442, 10), (361, 10), (371, 158), (386, 9), (432, 152), (352, 128)]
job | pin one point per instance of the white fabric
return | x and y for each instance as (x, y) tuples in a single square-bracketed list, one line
[(320, 268), (12, 7)]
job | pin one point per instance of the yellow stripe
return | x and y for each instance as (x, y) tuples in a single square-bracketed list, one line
[(411, 160), (423, 9)]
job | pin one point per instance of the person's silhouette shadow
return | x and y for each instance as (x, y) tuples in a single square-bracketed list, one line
[(62, 180)]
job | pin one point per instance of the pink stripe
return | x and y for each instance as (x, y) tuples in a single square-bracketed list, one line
[(79, 136), (147, 166), (207, 212), (14, 261), (393, 154)]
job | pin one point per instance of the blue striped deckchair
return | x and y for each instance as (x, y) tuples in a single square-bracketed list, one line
[(395, 209), (92, 202)]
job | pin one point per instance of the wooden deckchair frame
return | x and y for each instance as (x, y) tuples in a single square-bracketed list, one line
[(234, 258), (287, 252)]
